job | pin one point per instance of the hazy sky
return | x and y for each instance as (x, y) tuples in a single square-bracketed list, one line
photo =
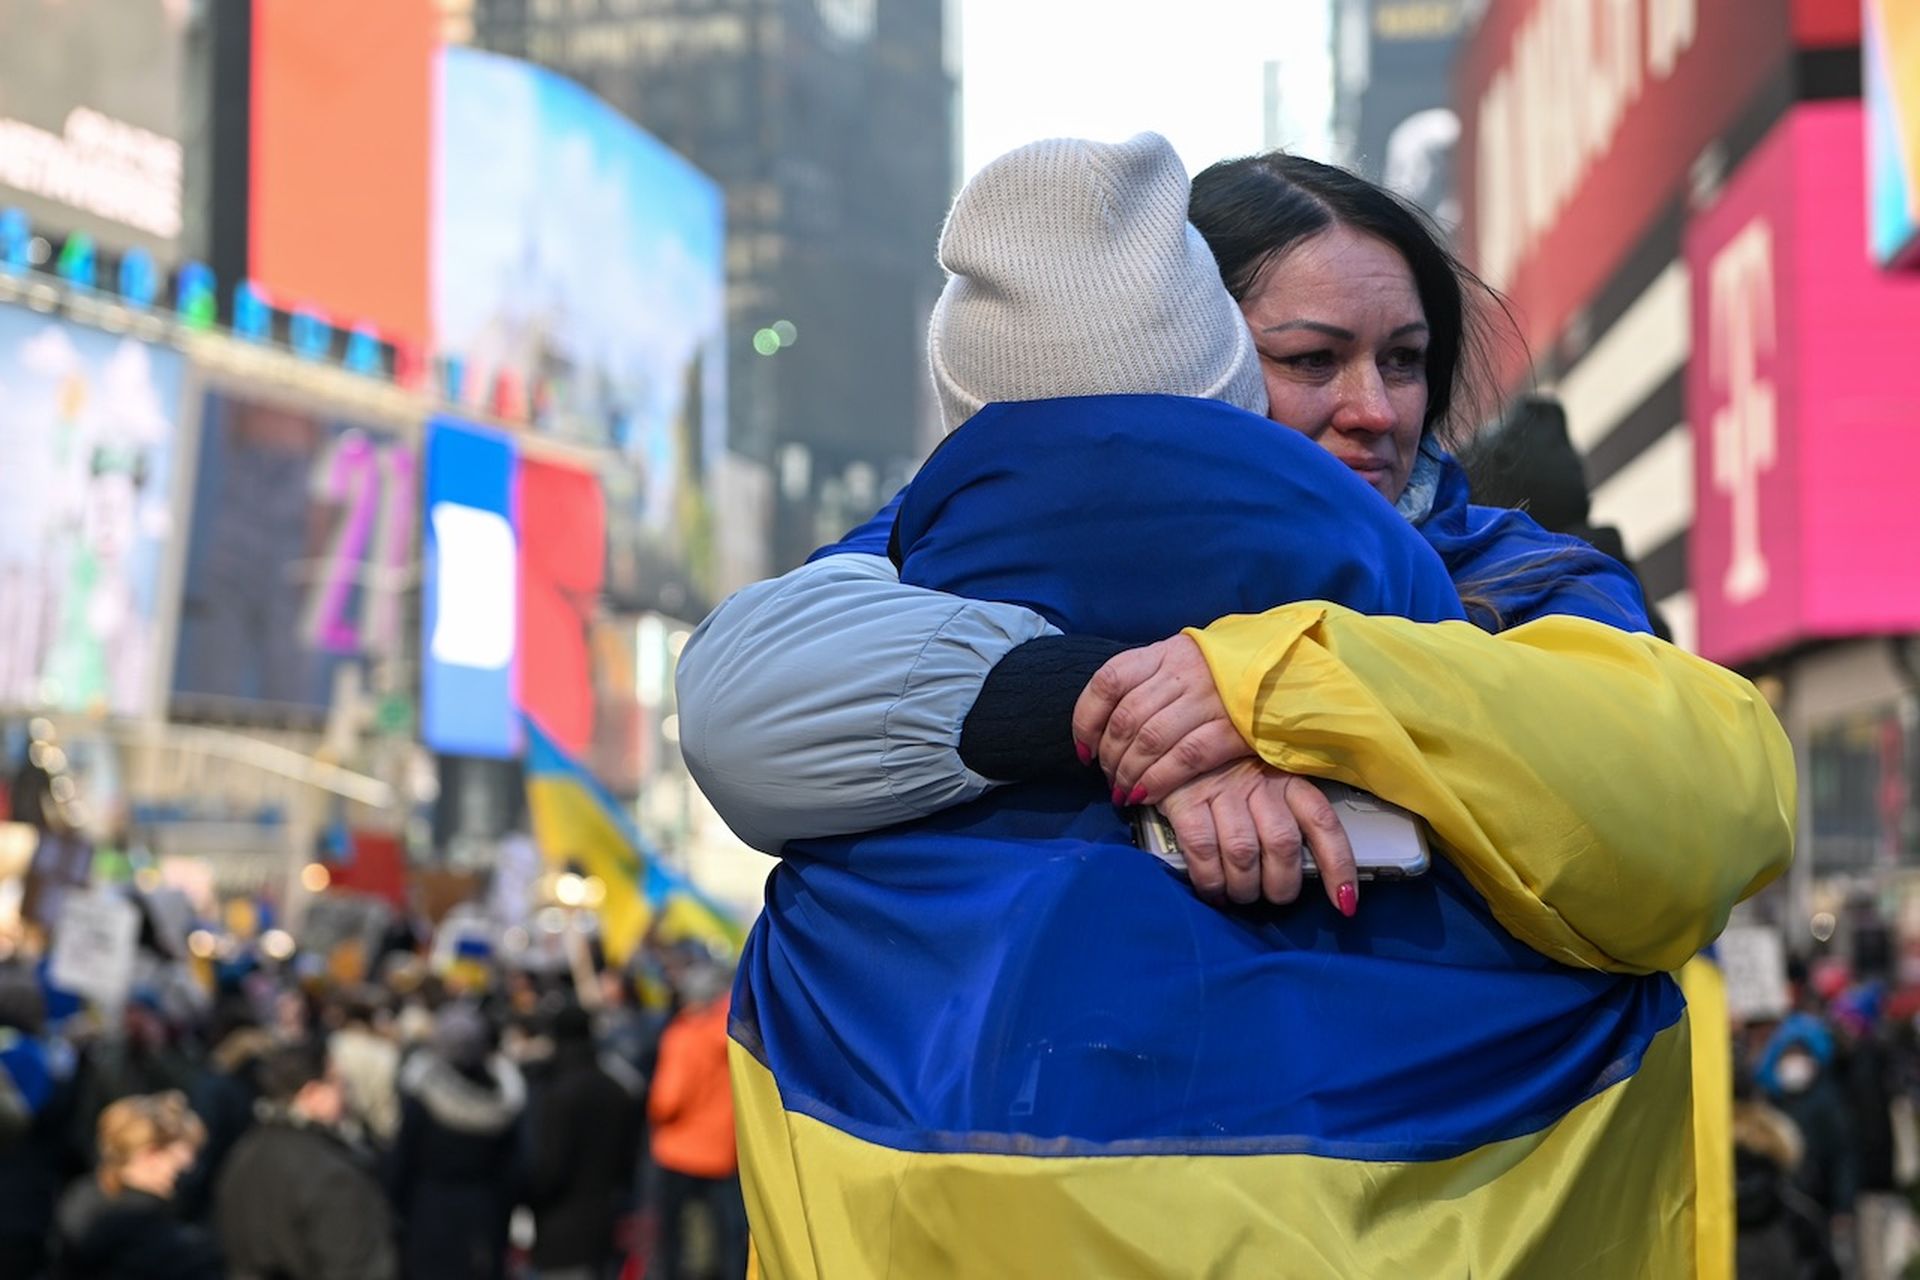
[(1189, 69)]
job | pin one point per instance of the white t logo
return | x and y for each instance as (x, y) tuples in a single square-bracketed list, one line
[(1745, 426)]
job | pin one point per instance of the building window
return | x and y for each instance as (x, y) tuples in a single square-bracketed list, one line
[(1862, 784)]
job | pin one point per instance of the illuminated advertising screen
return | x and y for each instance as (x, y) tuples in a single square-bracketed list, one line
[(339, 164), (301, 549), (578, 269), (88, 422), (470, 655), (1891, 48), (512, 595), (1407, 128), (1581, 122), (90, 117), (1802, 402)]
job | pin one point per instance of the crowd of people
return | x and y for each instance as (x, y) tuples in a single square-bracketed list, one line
[(1826, 1149), (474, 1125)]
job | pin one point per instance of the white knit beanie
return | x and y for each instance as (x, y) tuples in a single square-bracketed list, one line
[(1074, 272)]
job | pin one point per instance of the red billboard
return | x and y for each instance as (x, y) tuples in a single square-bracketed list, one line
[(1805, 412), (1581, 122), (562, 562), (341, 160)]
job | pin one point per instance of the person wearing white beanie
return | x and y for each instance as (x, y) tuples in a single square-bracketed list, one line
[(1073, 271)]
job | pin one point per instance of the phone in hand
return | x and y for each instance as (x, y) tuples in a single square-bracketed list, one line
[(1389, 843)]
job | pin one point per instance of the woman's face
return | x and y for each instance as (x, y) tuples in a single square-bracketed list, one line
[(157, 1170), (1343, 344)]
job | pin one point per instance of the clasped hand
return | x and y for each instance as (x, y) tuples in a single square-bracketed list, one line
[(1154, 721)]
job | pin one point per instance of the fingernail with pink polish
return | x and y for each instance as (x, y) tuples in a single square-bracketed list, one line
[(1137, 796), (1349, 897), (1119, 798), (1084, 751)]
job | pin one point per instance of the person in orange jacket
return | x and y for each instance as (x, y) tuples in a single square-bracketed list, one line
[(690, 1108)]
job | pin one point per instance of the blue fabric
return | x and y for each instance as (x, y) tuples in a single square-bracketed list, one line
[(1013, 975), (1486, 550), (1288, 520), (24, 1059)]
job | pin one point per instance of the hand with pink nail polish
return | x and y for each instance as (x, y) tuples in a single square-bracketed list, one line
[(1242, 827)]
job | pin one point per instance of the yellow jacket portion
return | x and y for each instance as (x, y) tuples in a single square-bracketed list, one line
[(1612, 796)]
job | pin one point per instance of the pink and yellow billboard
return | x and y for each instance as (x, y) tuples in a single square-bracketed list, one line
[(1805, 410)]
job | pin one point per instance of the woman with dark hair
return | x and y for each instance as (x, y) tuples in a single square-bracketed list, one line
[(1485, 1071)]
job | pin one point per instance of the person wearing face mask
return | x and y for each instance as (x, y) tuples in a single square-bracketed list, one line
[(1797, 1073), (119, 1223), (1782, 1233), (940, 1025)]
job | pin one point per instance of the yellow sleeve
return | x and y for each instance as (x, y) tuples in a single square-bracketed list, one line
[(1611, 795)]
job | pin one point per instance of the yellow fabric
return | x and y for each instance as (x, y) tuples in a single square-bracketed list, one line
[(570, 825), (1611, 795), (1706, 990), (1604, 1194)]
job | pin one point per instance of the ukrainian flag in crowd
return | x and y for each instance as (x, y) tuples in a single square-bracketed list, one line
[(577, 823), (1003, 1042)]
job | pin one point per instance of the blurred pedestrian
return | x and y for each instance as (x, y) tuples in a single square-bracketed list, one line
[(1868, 1071), (36, 1158), (690, 1107), (1797, 1074), (119, 1223), (368, 1060), (1781, 1232), (145, 1057), (455, 1167), (295, 1202), (223, 1094), (583, 1135)]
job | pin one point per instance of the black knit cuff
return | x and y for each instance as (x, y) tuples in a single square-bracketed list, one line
[(1021, 726)]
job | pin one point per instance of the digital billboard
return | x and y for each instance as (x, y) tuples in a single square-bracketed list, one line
[(579, 271), (339, 165), (1891, 49), (1802, 402), (1407, 128), (514, 568), (90, 117), (470, 652), (88, 427), (300, 552), (1580, 124), (562, 533)]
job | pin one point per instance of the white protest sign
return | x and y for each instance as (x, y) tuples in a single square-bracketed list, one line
[(1754, 960), (94, 942)]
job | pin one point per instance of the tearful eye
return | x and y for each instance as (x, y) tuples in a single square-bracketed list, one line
[(1407, 360)]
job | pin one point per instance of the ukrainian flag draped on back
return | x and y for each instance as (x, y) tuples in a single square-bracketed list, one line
[(1003, 1042), (575, 821)]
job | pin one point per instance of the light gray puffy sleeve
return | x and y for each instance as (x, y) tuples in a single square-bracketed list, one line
[(829, 701)]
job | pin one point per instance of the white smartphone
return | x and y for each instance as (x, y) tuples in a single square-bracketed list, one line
[(1389, 843)]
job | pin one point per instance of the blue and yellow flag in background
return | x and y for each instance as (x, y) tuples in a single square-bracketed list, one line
[(577, 823)]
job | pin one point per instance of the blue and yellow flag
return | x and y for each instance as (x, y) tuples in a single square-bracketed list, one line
[(576, 822), (1002, 1041)]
